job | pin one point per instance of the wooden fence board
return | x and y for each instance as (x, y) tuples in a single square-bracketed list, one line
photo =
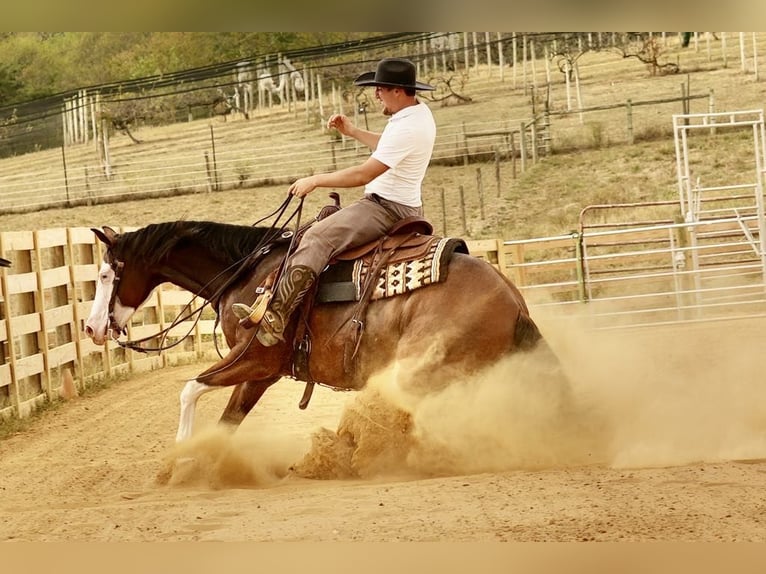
[(22, 283), (62, 355), (55, 277), (18, 241), (28, 366), (25, 324), (51, 238), (58, 316), (5, 375), (84, 273)]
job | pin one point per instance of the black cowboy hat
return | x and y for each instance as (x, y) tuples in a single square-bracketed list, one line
[(393, 72)]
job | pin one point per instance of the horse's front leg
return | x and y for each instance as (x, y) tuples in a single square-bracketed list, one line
[(190, 394), (236, 368)]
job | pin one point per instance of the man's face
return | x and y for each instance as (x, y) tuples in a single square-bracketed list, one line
[(386, 97)]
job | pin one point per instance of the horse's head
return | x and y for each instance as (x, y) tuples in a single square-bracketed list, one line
[(121, 287)]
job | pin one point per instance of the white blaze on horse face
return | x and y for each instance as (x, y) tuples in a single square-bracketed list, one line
[(97, 325)]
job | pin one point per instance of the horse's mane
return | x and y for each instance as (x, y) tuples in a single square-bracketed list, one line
[(153, 242)]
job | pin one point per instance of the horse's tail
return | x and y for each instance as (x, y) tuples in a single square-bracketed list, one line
[(526, 335)]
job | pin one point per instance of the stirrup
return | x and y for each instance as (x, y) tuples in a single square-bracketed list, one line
[(249, 317)]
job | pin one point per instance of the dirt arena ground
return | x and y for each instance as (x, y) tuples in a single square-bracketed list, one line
[(680, 455)]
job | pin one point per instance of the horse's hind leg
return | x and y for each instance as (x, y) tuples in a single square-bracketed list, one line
[(243, 399)]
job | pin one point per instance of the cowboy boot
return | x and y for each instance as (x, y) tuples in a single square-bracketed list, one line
[(291, 290)]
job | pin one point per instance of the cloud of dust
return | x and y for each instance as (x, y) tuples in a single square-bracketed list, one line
[(674, 395), (626, 398), (640, 398), (216, 457), (516, 414)]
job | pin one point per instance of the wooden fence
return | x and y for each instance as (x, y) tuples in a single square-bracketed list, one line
[(45, 298)]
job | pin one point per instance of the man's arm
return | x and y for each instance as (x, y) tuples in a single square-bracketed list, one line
[(353, 176)]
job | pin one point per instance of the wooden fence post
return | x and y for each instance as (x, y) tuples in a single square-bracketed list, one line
[(444, 213), (75, 299), (523, 146), (513, 155), (13, 387), (464, 147), (629, 111), (480, 188), (39, 302), (462, 209), (497, 170)]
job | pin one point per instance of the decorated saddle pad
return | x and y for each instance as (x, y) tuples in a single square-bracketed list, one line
[(346, 280)]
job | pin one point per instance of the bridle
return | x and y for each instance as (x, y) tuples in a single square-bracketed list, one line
[(113, 326), (114, 330)]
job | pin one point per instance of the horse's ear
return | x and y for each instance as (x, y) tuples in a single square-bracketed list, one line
[(106, 236)]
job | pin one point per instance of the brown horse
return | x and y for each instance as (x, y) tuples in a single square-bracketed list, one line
[(468, 321)]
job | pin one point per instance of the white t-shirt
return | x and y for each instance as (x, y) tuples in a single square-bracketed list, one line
[(405, 146)]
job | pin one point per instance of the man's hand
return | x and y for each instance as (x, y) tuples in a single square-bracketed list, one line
[(303, 186), (340, 123)]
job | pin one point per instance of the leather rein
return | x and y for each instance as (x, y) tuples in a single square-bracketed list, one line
[(264, 246)]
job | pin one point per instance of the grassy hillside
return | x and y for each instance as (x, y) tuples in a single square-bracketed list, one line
[(591, 161)]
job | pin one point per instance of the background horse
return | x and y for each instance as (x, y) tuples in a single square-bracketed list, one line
[(469, 321)]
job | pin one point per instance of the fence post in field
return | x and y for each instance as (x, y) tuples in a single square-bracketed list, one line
[(513, 155), (489, 53), (755, 58), (742, 51), (462, 209), (464, 151), (105, 142), (711, 109), (466, 57), (475, 44), (629, 112), (444, 213), (580, 267), (215, 167), (320, 98), (524, 62), (207, 171), (534, 140), (523, 146), (497, 169), (514, 56), (500, 56), (480, 188), (306, 92), (66, 177)]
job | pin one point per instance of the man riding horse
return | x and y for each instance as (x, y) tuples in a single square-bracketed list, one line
[(392, 177)]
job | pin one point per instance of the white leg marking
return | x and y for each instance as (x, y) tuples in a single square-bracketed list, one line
[(192, 391)]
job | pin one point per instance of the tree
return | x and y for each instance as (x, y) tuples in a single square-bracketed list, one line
[(10, 87)]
